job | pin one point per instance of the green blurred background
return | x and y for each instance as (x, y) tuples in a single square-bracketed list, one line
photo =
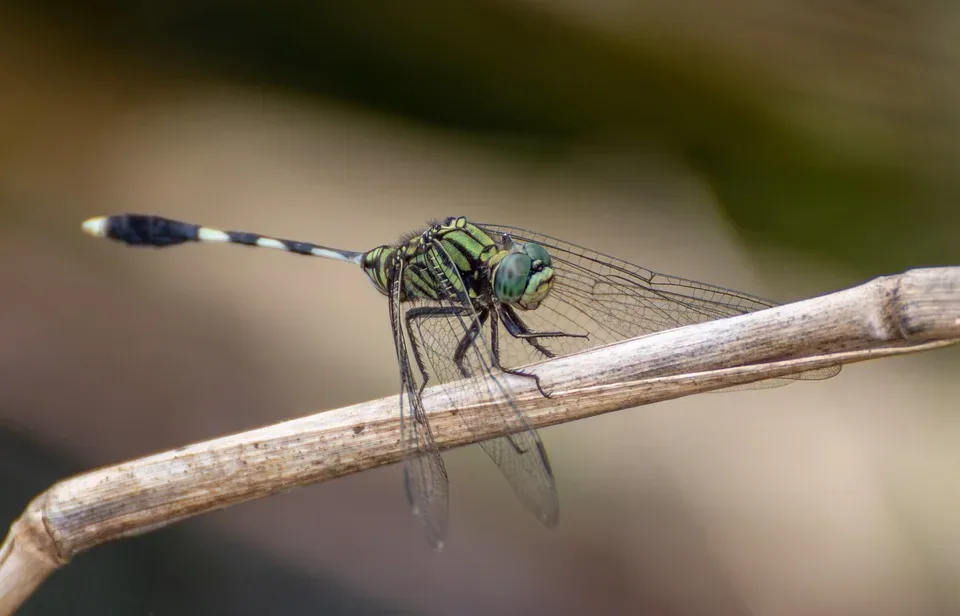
[(786, 148)]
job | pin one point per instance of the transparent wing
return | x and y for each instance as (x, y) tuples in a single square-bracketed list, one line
[(425, 477), (611, 300), (452, 343)]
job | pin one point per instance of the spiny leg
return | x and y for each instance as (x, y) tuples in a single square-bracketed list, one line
[(495, 343), (427, 312), (518, 329), (459, 356)]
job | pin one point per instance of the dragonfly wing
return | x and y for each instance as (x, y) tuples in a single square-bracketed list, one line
[(612, 300), (425, 477), (455, 345), (523, 460)]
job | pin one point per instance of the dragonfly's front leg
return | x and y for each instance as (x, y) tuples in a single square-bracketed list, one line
[(495, 342), (518, 329)]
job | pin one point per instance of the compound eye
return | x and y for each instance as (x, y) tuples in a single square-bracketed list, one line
[(537, 253), (510, 279)]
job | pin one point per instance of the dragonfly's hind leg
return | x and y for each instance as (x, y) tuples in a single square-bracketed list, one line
[(428, 312), (468, 340)]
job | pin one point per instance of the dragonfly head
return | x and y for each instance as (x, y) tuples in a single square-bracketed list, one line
[(523, 276)]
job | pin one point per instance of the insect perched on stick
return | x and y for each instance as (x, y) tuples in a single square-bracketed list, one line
[(473, 301)]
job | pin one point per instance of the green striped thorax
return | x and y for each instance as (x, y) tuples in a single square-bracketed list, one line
[(520, 275)]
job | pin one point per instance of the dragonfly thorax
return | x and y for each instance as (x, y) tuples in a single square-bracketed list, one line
[(458, 257)]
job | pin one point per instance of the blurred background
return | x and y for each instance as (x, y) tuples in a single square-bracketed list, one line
[(786, 148)]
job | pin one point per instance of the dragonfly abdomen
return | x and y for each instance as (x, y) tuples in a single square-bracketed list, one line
[(157, 231)]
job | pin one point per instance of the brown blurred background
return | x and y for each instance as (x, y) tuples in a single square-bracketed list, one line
[(786, 148)]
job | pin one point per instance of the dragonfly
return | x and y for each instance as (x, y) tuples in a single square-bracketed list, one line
[(470, 302)]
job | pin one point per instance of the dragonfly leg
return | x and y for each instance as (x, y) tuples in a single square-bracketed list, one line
[(427, 312), (495, 343), (518, 329), (467, 341)]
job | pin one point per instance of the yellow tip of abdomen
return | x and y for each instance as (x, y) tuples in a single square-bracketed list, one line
[(96, 226)]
